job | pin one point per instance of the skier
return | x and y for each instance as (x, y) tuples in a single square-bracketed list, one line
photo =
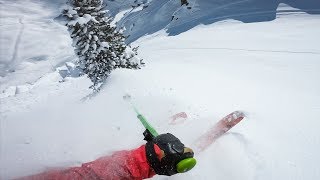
[(160, 155)]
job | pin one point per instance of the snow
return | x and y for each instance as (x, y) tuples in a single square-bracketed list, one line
[(104, 44), (176, 19), (269, 69), (31, 42)]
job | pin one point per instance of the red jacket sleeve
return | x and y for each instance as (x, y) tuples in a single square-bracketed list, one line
[(121, 165)]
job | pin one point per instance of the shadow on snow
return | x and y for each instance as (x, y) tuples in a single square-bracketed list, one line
[(175, 19)]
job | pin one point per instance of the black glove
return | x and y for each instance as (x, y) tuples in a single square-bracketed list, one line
[(174, 152)]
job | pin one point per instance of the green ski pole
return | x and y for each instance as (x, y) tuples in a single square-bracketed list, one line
[(145, 123)]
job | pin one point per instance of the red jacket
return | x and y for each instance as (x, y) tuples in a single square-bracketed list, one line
[(119, 166)]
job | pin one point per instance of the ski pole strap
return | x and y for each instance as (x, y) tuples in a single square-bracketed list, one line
[(147, 135), (153, 158)]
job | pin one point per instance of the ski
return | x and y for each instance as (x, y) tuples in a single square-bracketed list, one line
[(217, 130)]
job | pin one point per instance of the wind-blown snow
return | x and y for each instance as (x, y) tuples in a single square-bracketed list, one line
[(270, 70)]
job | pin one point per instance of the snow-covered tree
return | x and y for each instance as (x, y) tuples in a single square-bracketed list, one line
[(100, 47)]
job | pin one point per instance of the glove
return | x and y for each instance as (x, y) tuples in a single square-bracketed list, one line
[(174, 152)]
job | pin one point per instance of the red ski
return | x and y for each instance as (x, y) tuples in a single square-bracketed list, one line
[(178, 118), (218, 130)]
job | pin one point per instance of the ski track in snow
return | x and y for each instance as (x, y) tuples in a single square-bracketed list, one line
[(239, 49), (252, 154), (15, 52)]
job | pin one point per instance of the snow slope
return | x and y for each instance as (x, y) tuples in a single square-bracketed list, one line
[(31, 42), (175, 19), (270, 70)]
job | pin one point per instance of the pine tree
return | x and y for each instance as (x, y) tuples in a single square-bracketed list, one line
[(99, 46)]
